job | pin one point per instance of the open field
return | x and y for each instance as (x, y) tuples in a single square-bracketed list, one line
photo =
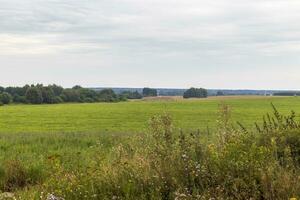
[(112, 151), (127, 117)]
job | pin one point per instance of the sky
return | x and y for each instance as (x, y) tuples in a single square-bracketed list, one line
[(227, 44)]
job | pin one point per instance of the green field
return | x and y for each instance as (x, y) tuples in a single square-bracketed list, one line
[(133, 116), (101, 151)]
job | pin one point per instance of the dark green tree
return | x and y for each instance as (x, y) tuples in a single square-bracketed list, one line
[(2, 89), (132, 95), (56, 89), (195, 93), (77, 87), (34, 95), (48, 95), (5, 98), (148, 92), (70, 95), (107, 95)]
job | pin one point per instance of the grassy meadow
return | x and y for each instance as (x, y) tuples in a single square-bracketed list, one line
[(120, 151), (133, 116)]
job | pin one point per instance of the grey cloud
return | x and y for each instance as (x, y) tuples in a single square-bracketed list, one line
[(141, 34), (169, 24)]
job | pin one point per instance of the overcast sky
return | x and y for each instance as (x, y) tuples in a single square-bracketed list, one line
[(157, 43)]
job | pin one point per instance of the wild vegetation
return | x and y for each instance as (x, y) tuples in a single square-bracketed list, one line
[(190, 151), (232, 162)]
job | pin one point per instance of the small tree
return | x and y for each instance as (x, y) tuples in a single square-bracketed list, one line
[(5, 98)]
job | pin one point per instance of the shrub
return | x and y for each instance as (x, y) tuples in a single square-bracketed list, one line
[(166, 163), (5, 98)]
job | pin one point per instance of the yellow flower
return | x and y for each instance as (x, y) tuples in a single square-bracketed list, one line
[(293, 198)]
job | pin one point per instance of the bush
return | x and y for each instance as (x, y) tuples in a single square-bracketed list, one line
[(5, 98)]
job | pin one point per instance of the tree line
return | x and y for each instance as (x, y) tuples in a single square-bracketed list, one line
[(53, 94), (286, 93), (190, 93)]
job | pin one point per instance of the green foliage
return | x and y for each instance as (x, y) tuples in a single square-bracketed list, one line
[(48, 95), (57, 99), (166, 163), (148, 92), (56, 89), (34, 95), (5, 98), (195, 93), (14, 175), (19, 99), (76, 87), (70, 95), (38, 94), (130, 116), (2, 89), (132, 95), (108, 95)]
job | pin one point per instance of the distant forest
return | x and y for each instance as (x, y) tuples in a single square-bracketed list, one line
[(53, 94), (210, 92)]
